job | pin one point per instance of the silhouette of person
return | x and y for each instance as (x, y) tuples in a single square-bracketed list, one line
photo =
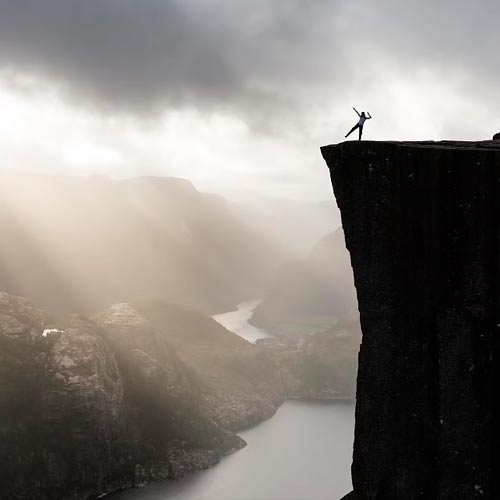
[(361, 122)]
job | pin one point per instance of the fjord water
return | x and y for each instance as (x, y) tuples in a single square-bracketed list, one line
[(302, 453), (237, 321)]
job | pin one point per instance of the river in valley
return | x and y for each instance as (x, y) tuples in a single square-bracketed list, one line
[(237, 321), (302, 453)]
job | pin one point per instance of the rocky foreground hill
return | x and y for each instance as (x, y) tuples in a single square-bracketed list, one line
[(139, 393)]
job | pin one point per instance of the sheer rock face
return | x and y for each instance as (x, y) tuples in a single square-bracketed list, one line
[(422, 225)]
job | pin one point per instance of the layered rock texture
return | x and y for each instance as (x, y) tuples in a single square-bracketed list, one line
[(422, 225)]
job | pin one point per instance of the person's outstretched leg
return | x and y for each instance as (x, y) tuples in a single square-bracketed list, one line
[(360, 132), (352, 130)]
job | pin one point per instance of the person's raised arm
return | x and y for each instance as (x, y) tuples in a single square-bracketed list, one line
[(356, 111), (369, 115)]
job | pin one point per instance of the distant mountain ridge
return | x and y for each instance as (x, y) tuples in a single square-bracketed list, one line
[(312, 293), (80, 244)]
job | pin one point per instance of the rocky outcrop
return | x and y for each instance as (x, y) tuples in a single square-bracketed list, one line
[(496, 137), (422, 225), (86, 410)]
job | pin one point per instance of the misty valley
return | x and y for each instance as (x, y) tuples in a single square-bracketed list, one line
[(150, 331)]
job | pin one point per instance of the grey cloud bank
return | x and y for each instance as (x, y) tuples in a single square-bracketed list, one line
[(237, 95), (259, 58)]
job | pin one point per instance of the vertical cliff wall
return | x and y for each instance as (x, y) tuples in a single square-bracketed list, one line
[(422, 225)]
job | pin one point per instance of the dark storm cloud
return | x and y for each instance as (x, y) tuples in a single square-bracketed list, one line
[(457, 32), (142, 55), (125, 53), (256, 57)]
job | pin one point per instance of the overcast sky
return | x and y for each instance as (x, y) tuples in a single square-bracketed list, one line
[(238, 95)]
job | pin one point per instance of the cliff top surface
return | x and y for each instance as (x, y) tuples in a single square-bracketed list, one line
[(422, 225), (483, 145)]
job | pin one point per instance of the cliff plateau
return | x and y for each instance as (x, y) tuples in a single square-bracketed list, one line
[(422, 225)]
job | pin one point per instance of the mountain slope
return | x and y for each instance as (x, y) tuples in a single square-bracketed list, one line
[(312, 293), (244, 384)]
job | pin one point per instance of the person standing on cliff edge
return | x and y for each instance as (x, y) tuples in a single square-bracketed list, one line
[(361, 122)]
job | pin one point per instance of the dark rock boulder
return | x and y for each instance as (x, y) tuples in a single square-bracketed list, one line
[(496, 137), (422, 225)]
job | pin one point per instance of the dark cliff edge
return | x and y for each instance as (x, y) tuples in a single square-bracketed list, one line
[(422, 225)]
